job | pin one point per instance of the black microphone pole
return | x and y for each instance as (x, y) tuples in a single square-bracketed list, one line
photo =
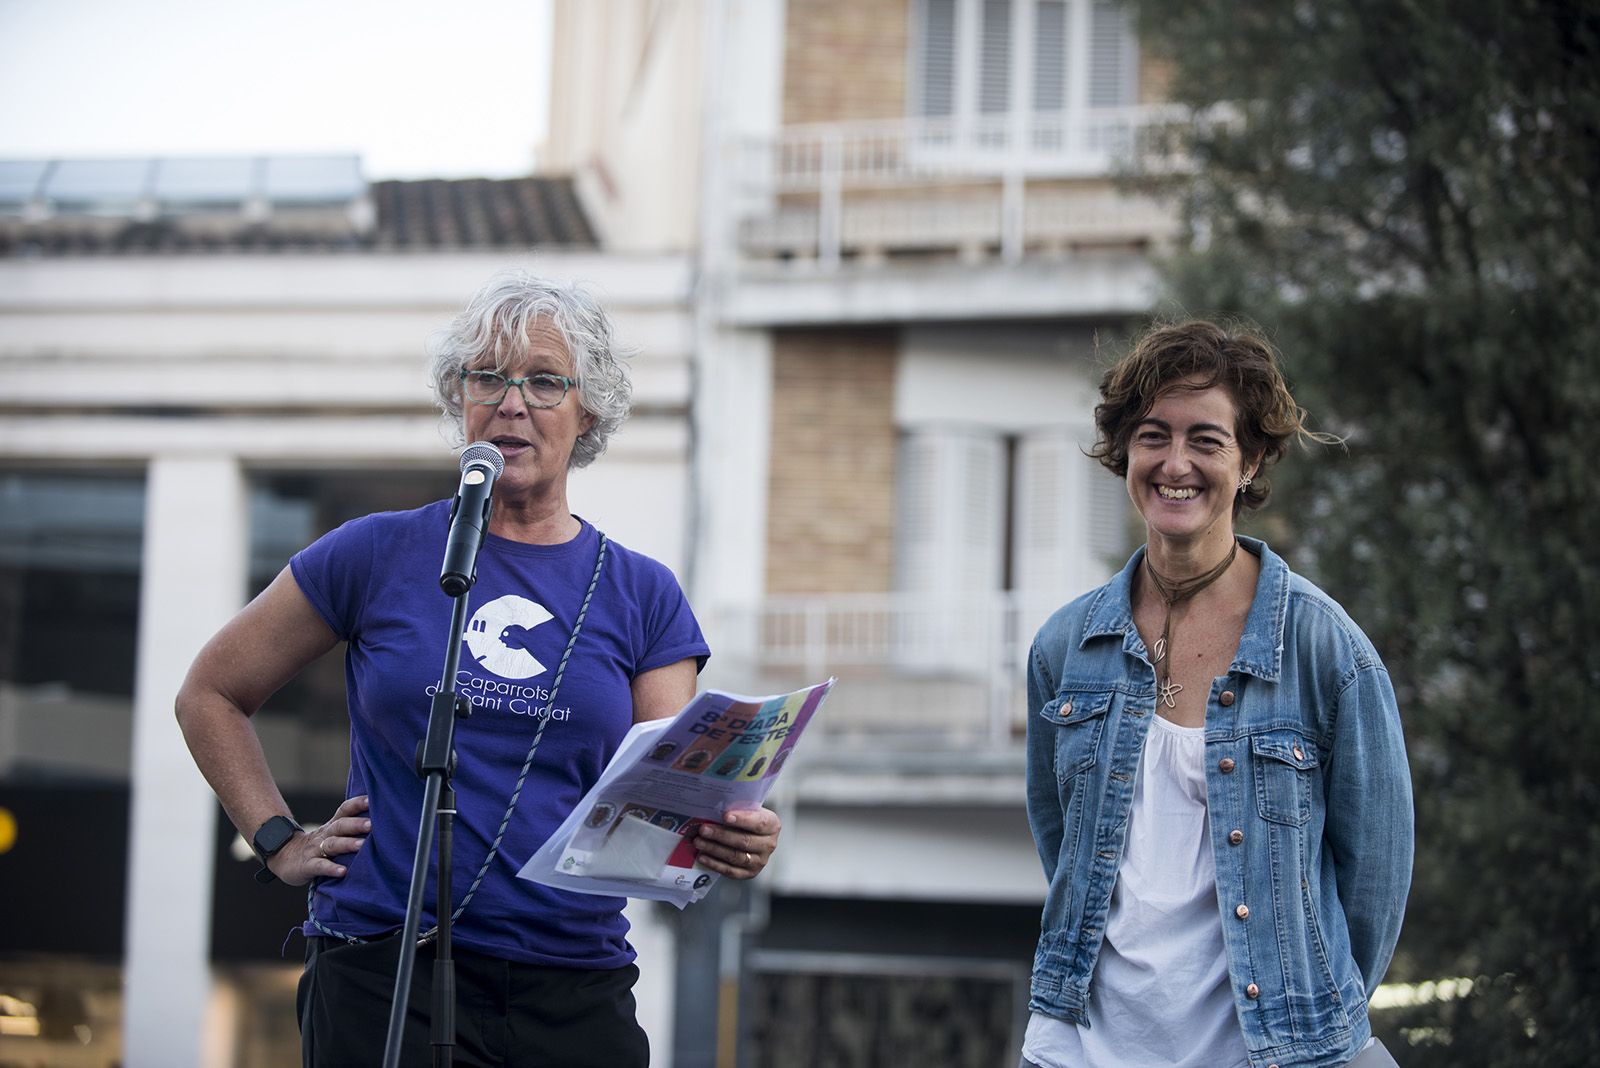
[(481, 464)]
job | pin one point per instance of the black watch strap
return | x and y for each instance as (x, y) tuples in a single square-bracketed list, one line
[(269, 838)]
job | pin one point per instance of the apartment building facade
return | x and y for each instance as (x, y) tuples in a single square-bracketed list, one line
[(910, 242)]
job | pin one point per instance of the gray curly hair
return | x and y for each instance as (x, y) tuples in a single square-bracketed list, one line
[(496, 320)]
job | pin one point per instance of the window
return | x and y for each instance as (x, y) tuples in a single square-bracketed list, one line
[(1049, 55), (982, 511), (1070, 521), (1113, 60), (951, 535), (994, 57), (937, 58), (70, 557), (995, 488), (952, 520), (990, 57), (304, 727)]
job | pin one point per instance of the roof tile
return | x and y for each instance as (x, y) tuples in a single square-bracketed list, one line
[(470, 213)]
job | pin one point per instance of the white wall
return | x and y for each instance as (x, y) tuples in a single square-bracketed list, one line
[(316, 360), (625, 118), (733, 435), (638, 491), (651, 935), (933, 852), (1008, 379)]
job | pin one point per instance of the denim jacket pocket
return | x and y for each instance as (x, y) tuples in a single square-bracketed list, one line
[(1080, 718), (1285, 764)]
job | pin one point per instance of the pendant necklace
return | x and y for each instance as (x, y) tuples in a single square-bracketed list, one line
[(1173, 593)]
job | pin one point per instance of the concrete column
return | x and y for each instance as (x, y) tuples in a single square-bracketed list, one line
[(650, 932), (705, 1015), (733, 439), (196, 541)]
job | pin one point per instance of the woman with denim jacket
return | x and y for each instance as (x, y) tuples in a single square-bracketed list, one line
[(1217, 780)]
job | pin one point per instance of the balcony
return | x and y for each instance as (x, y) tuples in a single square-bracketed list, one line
[(923, 678), (969, 189)]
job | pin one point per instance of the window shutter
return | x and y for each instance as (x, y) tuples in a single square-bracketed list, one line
[(1110, 536), (1113, 57), (917, 522), (982, 522), (1083, 54), (994, 58), (951, 518), (1050, 56), (1042, 542), (1071, 529), (936, 59), (951, 512)]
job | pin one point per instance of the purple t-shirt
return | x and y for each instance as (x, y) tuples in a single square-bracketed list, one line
[(375, 582)]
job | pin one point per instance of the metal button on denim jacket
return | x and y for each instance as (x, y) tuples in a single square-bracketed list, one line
[(1309, 797)]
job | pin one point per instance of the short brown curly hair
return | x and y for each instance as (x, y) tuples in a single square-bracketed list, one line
[(1237, 357)]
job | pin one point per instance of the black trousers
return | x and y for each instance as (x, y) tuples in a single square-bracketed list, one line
[(508, 1015)]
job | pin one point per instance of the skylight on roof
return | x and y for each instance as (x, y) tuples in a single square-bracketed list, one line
[(139, 187), (19, 180), (99, 181), (229, 180), (312, 179)]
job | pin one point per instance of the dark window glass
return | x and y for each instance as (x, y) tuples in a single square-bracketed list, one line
[(303, 727), (70, 552)]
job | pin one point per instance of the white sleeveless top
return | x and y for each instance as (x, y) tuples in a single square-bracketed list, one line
[(1160, 993)]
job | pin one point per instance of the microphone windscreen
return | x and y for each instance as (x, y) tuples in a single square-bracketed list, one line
[(483, 452)]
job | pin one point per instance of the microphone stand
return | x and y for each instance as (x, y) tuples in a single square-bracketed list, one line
[(435, 763)]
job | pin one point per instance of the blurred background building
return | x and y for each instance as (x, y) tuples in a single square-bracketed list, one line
[(865, 248)]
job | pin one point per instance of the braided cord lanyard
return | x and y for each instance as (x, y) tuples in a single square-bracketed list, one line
[(516, 793)]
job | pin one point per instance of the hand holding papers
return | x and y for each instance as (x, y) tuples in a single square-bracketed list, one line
[(629, 836)]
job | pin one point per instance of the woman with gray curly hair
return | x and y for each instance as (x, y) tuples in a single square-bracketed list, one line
[(572, 639), (491, 332)]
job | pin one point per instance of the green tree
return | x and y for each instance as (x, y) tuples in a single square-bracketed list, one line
[(1404, 193)]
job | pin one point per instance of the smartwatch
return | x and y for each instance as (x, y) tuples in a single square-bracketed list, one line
[(269, 839)]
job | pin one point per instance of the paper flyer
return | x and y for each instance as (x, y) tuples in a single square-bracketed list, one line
[(627, 838)]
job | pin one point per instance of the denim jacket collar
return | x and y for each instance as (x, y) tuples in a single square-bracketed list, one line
[(1261, 644)]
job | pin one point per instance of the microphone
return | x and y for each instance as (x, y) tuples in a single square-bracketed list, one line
[(481, 464)]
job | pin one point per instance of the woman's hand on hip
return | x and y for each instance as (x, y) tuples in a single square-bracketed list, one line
[(318, 854)]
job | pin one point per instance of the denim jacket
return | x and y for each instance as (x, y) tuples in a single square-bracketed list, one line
[(1309, 797)]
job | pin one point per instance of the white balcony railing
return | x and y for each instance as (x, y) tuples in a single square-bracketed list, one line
[(1086, 143), (821, 190), (933, 673)]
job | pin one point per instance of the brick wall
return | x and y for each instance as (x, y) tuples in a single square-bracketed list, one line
[(830, 504), (1155, 78), (845, 59)]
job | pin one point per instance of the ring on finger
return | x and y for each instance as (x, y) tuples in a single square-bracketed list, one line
[(748, 858), (322, 847)]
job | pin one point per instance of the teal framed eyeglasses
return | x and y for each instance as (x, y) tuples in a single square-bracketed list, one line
[(539, 391)]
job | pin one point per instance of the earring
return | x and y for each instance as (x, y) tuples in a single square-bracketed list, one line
[(1244, 483)]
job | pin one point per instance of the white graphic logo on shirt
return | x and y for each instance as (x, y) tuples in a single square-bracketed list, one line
[(498, 636)]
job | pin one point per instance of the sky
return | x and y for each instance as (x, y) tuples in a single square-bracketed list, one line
[(443, 89)]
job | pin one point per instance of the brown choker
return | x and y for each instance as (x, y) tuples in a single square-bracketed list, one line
[(1173, 593)]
